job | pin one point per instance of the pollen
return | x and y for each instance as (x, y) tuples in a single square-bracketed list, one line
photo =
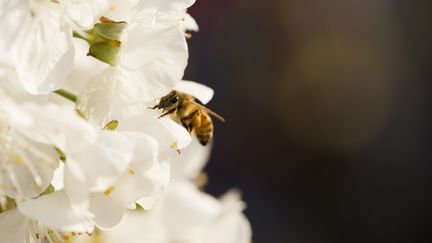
[(132, 171), (18, 160), (108, 191), (188, 35)]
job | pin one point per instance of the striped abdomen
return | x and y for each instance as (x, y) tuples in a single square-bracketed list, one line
[(204, 132)]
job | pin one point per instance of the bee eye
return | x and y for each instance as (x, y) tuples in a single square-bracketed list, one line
[(174, 100)]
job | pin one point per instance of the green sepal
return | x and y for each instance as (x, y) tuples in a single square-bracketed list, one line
[(110, 31), (105, 52), (104, 40)]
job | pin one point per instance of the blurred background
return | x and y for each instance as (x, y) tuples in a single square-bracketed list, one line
[(328, 108)]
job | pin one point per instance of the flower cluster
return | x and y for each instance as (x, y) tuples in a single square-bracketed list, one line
[(82, 158)]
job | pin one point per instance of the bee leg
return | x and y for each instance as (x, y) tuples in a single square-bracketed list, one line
[(188, 126), (168, 112), (154, 107), (188, 122)]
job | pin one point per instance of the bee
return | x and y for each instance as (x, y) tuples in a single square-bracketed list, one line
[(184, 110)]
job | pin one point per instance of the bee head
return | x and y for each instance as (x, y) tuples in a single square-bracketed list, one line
[(169, 101)]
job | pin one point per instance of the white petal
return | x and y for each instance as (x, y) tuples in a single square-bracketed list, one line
[(189, 23), (155, 58), (186, 208), (231, 228), (140, 184), (136, 227), (107, 213), (190, 162), (147, 203), (179, 133), (76, 187), (145, 176), (85, 68), (200, 91), (120, 9), (13, 226), (107, 97), (105, 161), (53, 210), (167, 5), (12, 13), (84, 13), (45, 53), (60, 127), (57, 180), (168, 133), (26, 167)]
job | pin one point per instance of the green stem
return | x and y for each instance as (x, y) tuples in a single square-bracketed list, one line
[(66, 94)]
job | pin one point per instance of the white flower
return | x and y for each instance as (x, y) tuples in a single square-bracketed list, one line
[(18, 228), (101, 182), (37, 42), (183, 214), (28, 134), (152, 60)]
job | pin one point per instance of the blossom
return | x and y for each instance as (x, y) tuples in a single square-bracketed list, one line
[(151, 61), (101, 162), (20, 228), (29, 134), (37, 42), (183, 214)]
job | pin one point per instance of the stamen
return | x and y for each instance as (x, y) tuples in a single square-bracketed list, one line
[(108, 191)]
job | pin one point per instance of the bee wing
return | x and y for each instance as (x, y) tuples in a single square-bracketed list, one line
[(219, 117)]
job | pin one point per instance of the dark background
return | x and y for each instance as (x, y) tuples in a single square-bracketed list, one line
[(328, 108)]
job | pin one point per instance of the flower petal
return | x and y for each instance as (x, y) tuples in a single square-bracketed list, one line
[(27, 167), (200, 91), (168, 133), (190, 162), (134, 186), (230, 228), (53, 210), (76, 187), (44, 54), (107, 213), (105, 161), (58, 126), (58, 177), (189, 23), (84, 13), (155, 59), (167, 5), (13, 226), (106, 97), (185, 208)]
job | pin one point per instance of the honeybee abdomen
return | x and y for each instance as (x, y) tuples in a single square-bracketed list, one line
[(204, 133)]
